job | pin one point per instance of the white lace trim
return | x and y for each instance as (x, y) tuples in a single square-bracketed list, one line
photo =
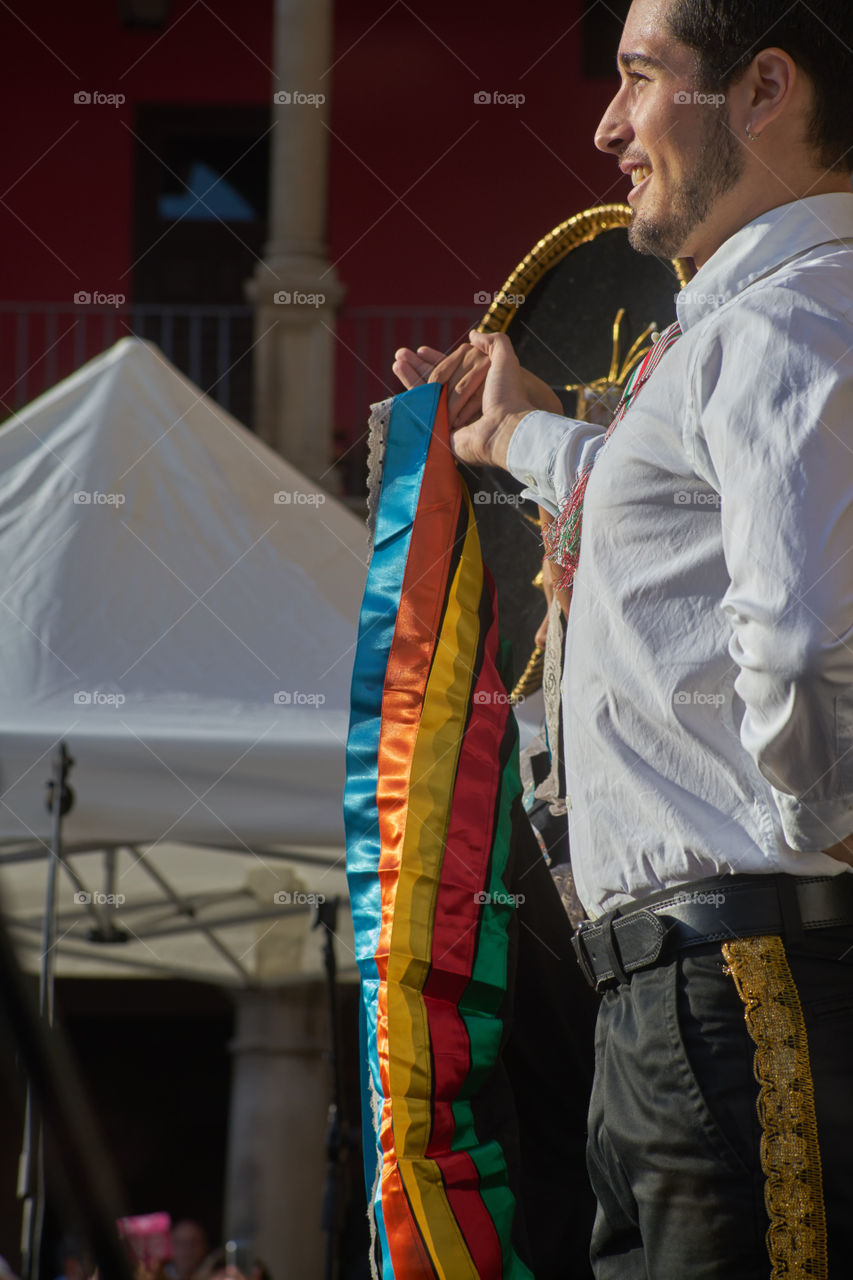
[(377, 440)]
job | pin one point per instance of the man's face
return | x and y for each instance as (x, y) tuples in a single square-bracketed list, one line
[(673, 142)]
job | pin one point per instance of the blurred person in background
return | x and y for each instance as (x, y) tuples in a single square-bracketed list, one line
[(73, 1259), (190, 1247)]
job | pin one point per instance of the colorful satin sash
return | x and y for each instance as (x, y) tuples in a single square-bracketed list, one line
[(432, 775)]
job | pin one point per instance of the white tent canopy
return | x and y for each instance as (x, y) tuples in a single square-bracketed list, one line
[(169, 617), (179, 606)]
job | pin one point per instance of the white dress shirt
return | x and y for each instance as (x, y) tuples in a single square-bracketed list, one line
[(708, 682)]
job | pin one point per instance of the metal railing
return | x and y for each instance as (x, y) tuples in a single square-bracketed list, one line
[(43, 342), (367, 338)]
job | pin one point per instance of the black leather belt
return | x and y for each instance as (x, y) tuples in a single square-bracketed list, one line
[(715, 910)]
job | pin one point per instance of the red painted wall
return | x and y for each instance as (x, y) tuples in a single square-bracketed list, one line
[(433, 196), (477, 184), (68, 225)]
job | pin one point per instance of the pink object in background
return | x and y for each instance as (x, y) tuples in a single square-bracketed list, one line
[(149, 1237)]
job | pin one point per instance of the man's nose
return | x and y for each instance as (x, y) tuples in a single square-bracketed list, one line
[(614, 132)]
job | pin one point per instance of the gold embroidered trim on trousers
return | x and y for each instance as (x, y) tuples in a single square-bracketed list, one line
[(790, 1153)]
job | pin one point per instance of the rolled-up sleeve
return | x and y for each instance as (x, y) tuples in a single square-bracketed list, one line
[(547, 453), (775, 438)]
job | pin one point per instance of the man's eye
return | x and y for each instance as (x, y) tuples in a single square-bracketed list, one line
[(635, 76)]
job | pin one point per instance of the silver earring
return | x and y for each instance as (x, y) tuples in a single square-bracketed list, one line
[(753, 137)]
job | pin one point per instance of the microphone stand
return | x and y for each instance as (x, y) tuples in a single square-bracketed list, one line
[(59, 801), (58, 1119), (338, 1141)]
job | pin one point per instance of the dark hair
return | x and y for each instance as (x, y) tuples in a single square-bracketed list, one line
[(725, 36)]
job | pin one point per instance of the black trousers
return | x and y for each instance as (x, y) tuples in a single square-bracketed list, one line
[(674, 1149), (537, 1103)]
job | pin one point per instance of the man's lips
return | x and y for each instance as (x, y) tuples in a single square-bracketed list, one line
[(640, 175), (628, 166)]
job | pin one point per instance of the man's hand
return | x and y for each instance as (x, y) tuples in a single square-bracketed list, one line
[(464, 372), (484, 441), (842, 852)]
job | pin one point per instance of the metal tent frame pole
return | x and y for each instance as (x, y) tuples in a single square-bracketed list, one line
[(58, 1121), (31, 1189)]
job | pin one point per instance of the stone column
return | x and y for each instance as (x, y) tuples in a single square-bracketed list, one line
[(277, 1126), (294, 290)]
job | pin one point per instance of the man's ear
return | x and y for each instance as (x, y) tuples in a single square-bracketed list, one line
[(766, 89)]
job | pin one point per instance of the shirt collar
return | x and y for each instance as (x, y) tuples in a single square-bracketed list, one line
[(761, 246)]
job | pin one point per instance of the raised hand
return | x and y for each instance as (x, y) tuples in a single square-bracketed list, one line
[(463, 371), (484, 441)]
